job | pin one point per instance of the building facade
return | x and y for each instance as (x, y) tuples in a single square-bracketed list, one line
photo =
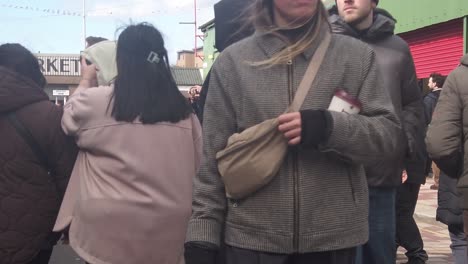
[(190, 59), (63, 74)]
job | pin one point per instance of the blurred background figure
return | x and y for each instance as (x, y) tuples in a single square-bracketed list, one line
[(93, 40), (194, 97), (435, 84)]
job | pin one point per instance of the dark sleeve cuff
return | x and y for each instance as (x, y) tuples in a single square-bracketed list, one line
[(452, 165), (316, 127)]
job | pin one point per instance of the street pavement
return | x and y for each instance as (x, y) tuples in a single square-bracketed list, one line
[(434, 234), (63, 254)]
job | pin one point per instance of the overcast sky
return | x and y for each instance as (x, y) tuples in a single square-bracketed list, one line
[(54, 26)]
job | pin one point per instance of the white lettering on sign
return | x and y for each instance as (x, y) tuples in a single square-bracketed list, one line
[(61, 65), (60, 92)]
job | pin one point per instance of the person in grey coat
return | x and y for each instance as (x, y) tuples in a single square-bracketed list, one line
[(446, 136), (315, 210), (361, 19)]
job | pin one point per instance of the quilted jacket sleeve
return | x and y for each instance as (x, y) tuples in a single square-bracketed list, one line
[(62, 153)]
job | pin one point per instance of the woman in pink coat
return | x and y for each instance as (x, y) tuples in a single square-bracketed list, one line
[(129, 197)]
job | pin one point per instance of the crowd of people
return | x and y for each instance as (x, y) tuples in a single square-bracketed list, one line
[(125, 173)]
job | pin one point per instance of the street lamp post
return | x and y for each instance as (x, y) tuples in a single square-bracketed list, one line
[(196, 35)]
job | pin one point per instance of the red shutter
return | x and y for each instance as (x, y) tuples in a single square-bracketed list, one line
[(437, 48)]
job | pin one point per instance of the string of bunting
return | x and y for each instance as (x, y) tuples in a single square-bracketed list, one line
[(37, 9), (55, 11)]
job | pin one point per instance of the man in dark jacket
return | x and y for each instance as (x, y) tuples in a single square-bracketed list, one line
[(446, 136), (361, 19), (32, 185), (436, 81)]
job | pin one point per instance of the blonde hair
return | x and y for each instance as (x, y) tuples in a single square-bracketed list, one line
[(262, 19)]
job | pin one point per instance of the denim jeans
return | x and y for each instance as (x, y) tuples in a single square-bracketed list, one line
[(458, 245), (381, 245), (236, 255)]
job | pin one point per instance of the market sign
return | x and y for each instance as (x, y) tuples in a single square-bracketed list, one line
[(60, 92), (59, 65)]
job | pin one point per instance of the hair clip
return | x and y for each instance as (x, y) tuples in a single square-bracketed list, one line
[(153, 57)]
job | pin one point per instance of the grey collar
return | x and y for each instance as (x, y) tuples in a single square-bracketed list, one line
[(271, 44)]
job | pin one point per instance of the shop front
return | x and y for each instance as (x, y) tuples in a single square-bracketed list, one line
[(436, 48), (62, 72)]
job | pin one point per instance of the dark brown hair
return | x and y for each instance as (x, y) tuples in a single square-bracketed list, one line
[(438, 79), (19, 59), (93, 40)]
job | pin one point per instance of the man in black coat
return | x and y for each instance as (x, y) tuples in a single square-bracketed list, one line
[(436, 81), (390, 220)]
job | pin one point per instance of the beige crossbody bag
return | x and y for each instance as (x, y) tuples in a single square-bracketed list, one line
[(253, 157)]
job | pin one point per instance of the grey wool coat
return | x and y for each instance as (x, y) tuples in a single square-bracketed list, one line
[(319, 199)]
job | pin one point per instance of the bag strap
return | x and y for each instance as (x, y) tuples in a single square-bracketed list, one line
[(26, 135), (310, 74)]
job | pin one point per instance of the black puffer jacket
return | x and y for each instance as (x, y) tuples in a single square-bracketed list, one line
[(29, 196), (397, 69), (450, 201)]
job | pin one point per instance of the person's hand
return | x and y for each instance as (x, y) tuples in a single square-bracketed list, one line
[(88, 74), (404, 176), (291, 126)]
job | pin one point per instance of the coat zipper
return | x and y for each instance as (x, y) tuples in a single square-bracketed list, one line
[(294, 162)]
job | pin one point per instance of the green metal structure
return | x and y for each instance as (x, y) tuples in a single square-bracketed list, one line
[(209, 50), (465, 34), (414, 14)]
